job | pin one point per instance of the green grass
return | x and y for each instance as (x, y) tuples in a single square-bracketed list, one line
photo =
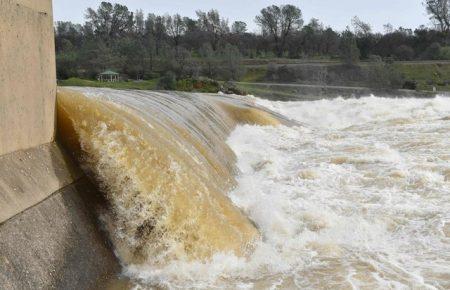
[(255, 74), (273, 93), (427, 75), (138, 85)]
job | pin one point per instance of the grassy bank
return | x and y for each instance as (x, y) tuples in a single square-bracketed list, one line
[(201, 85), (426, 74), (131, 85)]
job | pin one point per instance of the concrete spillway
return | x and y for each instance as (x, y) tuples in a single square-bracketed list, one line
[(49, 236)]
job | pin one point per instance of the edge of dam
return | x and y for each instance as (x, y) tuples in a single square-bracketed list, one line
[(49, 232)]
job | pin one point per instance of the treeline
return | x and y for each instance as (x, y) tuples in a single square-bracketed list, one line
[(143, 46)]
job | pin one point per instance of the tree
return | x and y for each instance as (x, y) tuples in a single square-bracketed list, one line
[(155, 30), (360, 27), (176, 28), (439, 13), (232, 68), (239, 27), (209, 61), (214, 26), (279, 22), (67, 32), (349, 49), (388, 28), (140, 22), (404, 52), (110, 21), (364, 37), (433, 52)]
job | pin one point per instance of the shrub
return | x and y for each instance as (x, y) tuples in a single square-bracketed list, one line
[(404, 52), (384, 75), (271, 73), (445, 53), (168, 81), (231, 89), (285, 74), (433, 52), (410, 85), (151, 75), (203, 85)]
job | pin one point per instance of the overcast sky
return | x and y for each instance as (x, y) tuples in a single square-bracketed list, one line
[(334, 13)]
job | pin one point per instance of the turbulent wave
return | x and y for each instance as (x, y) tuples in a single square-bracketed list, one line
[(162, 161), (354, 195)]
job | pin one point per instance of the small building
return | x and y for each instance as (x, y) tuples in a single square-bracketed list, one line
[(109, 76)]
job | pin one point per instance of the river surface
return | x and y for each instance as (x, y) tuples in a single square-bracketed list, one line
[(356, 195)]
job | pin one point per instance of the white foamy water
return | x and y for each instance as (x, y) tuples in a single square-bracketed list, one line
[(356, 197)]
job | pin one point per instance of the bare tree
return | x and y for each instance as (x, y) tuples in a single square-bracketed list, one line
[(213, 25), (388, 28), (439, 13), (360, 27), (279, 22), (139, 20)]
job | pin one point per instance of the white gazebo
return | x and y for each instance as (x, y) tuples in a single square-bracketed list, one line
[(109, 76)]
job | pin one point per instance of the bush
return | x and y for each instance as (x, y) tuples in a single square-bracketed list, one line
[(404, 52), (410, 85), (231, 89), (151, 75), (203, 85), (271, 73), (168, 81), (384, 75), (433, 52), (285, 74), (375, 58), (445, 53), (231, 66)]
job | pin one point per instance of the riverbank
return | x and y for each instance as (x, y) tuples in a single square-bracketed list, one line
[(424, 75)]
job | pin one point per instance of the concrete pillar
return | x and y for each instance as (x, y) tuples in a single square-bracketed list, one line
[(27, 74)]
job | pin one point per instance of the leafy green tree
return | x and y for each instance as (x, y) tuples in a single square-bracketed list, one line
[(110, 21)]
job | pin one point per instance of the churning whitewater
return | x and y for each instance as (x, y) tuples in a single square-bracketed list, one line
[(355, 197), (355, 194)]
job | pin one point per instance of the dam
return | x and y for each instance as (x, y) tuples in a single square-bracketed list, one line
[(127, 189), (165, 201)]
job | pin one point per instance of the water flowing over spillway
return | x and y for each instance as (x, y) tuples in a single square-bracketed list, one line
[(163, 163), (355, 194)]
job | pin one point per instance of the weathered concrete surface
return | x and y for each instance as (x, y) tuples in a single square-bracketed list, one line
[(49, 236), (30, 176), (38, 5), (27, 74), (56, 244)]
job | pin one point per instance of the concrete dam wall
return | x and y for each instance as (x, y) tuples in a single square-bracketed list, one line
[(49, 238), (27, 74)]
